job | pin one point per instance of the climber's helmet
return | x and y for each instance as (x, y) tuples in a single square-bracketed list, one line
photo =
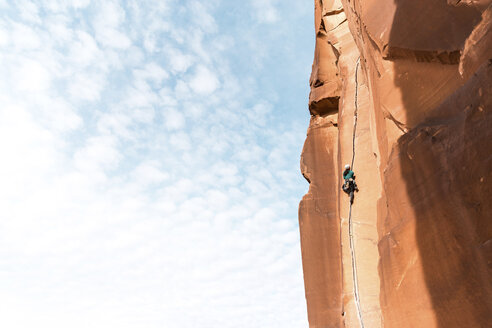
[(347, 167)]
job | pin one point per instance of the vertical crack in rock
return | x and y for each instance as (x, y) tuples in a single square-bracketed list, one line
[(351, 225)]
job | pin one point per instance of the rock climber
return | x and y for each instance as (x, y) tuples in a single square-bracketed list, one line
[(349, 185)]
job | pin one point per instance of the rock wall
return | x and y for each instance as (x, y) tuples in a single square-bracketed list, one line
[(403, 89)]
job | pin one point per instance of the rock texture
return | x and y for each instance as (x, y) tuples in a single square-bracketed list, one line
[(403, 89)]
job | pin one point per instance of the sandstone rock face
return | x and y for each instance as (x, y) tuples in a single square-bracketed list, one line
[(403, 89)]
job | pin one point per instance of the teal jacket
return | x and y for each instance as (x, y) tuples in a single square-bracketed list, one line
[(347, 174)]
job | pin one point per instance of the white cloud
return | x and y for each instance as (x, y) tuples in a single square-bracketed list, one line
[(107, 25), (32, 76), (140, 95), (57, 114), (266, 11), (115, 124), (112, 38), (4, 37), (182, 90), (98, 155), (152, 72), (173, 119), (60, 32), (167, 97), (61, 6), (178, 62), (148, 173), (80, 3), (204, 81), (86, 86), (194, 110), (24, 38), (83, 50), (29, 11), (143, 115), (180, 141), (202, 18), (259, 113)]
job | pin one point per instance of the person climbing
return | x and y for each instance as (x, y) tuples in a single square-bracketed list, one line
[(349, 185)]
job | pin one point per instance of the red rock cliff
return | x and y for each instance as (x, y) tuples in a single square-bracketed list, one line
[(403, 89)]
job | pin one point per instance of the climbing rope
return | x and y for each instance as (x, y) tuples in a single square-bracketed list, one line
[(352, 247)]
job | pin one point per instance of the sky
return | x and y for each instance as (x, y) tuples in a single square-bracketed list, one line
[(149, 168)]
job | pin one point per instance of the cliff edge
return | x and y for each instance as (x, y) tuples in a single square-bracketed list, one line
[(400, 89)]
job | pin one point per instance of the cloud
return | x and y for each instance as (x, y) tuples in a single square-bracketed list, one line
[(180, 141), (152, 72), (57, 114), (107, 24), (200, 16), (204, 81), (80, 3), (4, 37), (100, 153), (23, 37), (83, 50), (178, 62), (29, 11), (32, 76), (85, 86), (266, 11), (174, 120), (149, 173)]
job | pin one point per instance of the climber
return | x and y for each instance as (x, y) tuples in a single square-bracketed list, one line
[(349, 185)]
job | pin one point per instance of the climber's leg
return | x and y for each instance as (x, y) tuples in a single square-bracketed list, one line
[(346, 188)]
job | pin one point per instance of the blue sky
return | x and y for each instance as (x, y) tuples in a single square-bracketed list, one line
[(150, 162)]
